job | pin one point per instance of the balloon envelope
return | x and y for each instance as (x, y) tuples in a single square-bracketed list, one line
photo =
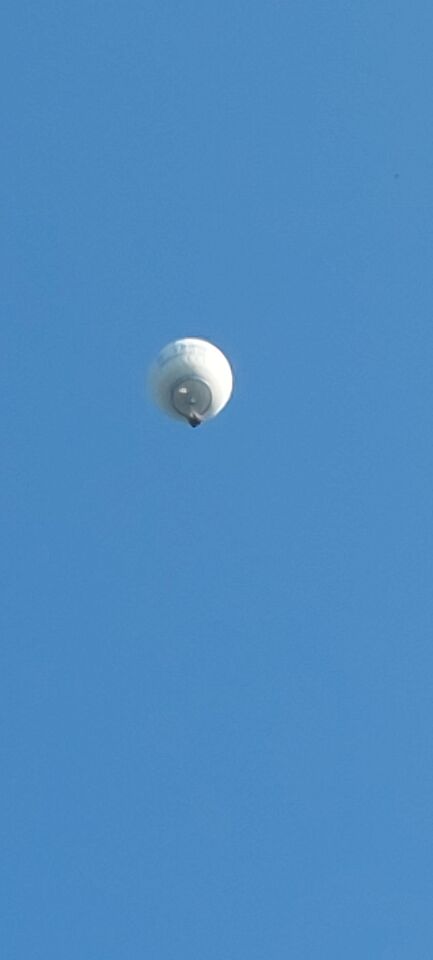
[(191, 380)]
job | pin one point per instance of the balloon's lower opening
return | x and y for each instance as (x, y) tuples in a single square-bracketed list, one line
[(191, 396)]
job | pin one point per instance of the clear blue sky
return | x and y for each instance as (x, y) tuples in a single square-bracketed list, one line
[(216, 659)]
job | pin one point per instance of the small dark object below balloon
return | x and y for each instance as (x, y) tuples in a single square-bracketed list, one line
[(194, 420)]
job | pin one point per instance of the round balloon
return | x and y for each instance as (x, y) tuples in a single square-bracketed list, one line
[(191, 380)]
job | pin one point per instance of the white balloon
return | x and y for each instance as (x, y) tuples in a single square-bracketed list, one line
[(191, 380)]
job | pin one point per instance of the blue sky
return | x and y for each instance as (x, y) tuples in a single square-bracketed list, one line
[(216, 661)]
